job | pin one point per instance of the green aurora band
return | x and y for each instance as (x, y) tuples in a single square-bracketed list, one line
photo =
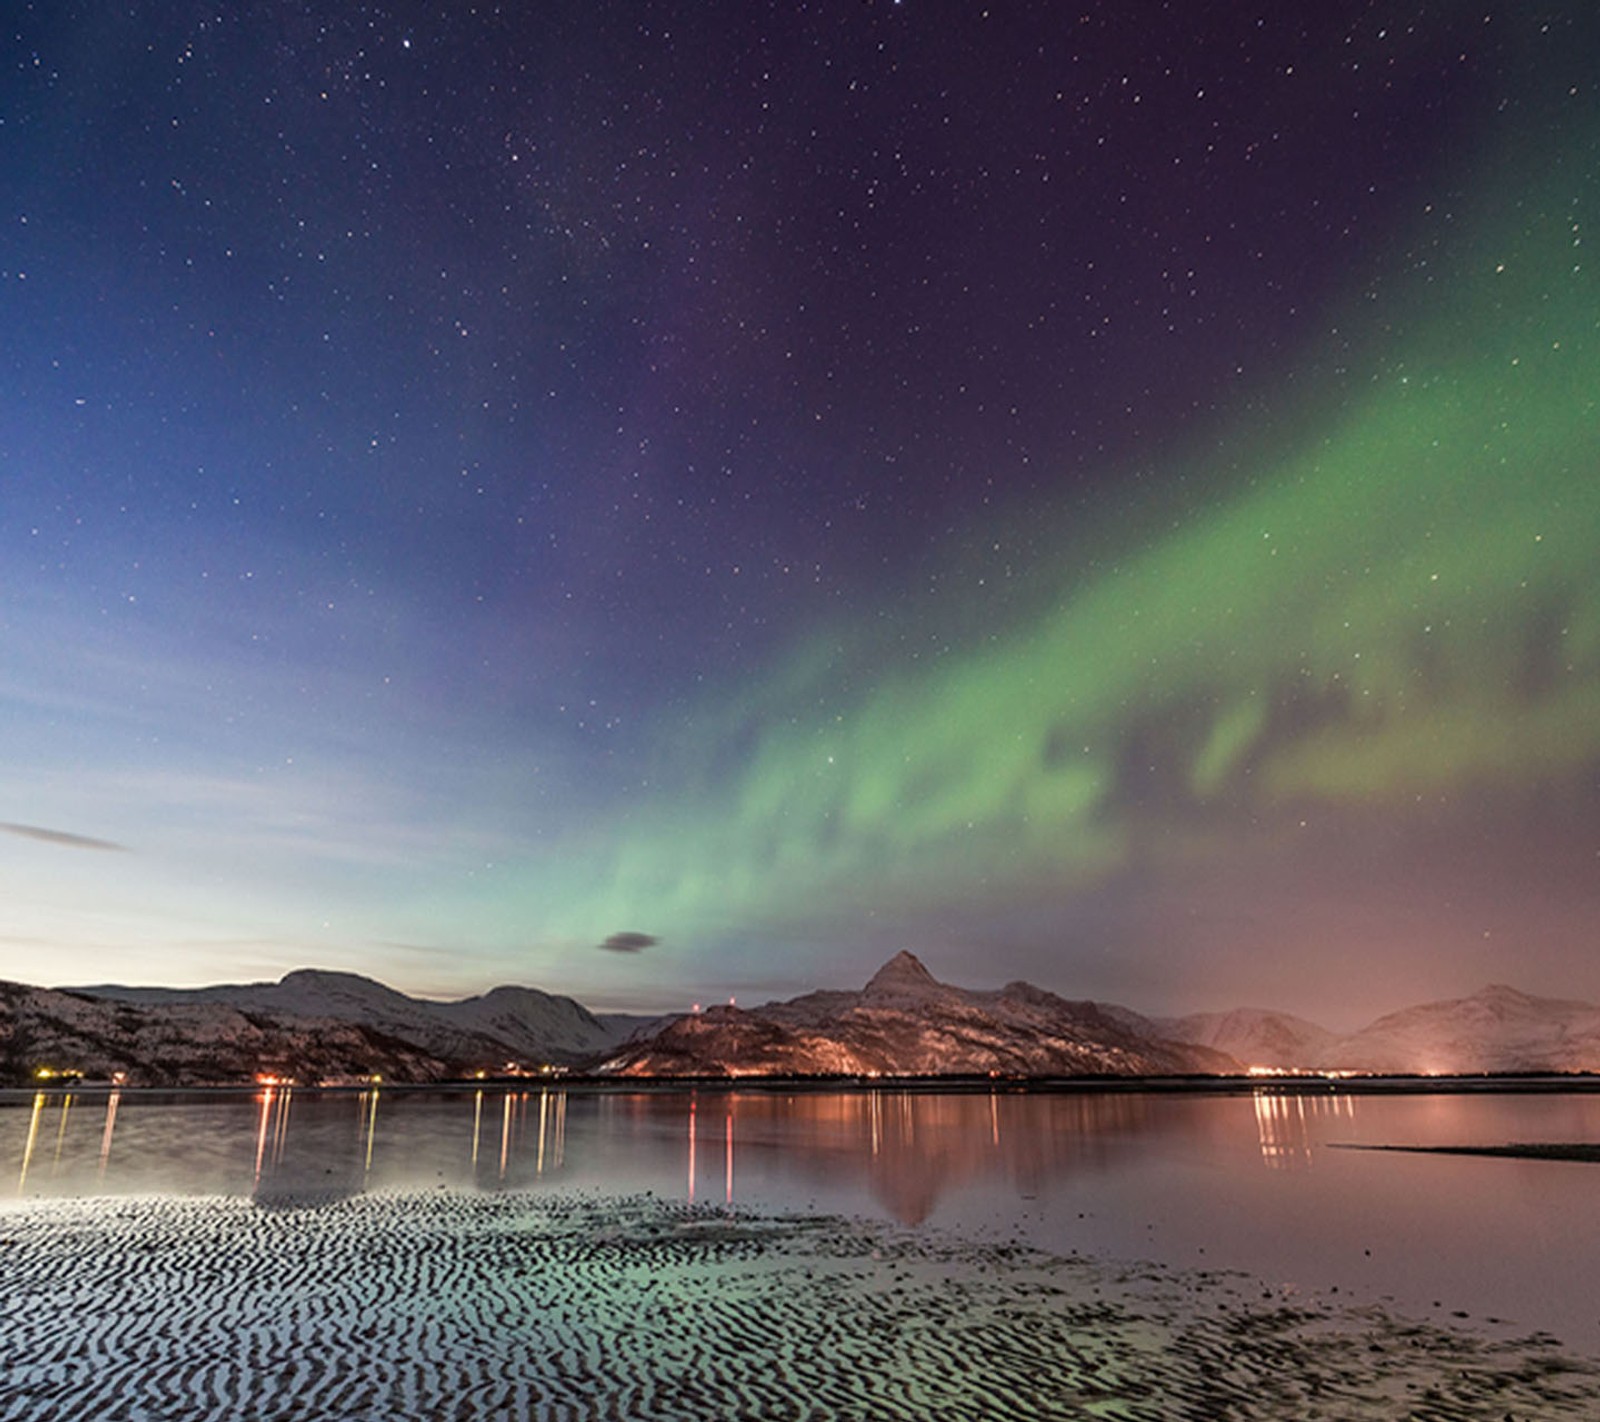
[(1399, 600)]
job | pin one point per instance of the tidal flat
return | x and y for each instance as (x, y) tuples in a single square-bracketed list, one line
[(454, 1304)]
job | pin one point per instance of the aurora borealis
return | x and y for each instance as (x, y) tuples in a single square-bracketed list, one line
[(1103, 499)]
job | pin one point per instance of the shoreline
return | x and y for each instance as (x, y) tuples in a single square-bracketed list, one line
[(1292, 1084), (454, 1304)]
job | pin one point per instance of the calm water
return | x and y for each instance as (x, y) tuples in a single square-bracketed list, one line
[(1192, 1179)]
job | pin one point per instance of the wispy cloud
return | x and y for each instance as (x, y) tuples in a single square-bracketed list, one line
[(61, 837)]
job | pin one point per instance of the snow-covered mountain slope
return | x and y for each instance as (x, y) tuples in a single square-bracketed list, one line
[(1256, 1036), (192, 1043), (1497, 1029), (508, 1024), (907, 1023), (322, 1025)]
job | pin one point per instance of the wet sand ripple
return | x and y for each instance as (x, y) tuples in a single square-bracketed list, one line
[(462, 1306)]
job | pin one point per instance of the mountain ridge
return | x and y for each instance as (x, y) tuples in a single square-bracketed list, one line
[(312, 1024), (1031, 1031), (323, 1025), (905, 1022)]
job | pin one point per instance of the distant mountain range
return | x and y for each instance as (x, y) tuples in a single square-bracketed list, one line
[(906, 1023), (333, 1027), (311, 1026)]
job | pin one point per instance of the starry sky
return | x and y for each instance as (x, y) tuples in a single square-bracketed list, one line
[(666, 501)]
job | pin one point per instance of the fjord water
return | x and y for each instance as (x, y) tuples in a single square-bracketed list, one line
[(1252, 1181)]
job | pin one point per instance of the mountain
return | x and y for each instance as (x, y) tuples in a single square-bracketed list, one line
[(523, 1023), (311, 1025), (1497, 1029), (1255, 1036), (324, 1026), (191, 1043), (905, 1022)]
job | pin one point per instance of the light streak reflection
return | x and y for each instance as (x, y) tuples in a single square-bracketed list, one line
[(105, 1137), (544, 1123), (33, 1136), (61, 1133), (505, 1135), (372, 1127), (261, 1129), (1284, 1121)]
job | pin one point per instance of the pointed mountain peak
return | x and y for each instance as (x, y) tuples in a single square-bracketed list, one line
[(902, 973)]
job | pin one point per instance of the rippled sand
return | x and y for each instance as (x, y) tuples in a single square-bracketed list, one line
[(453, 1306)]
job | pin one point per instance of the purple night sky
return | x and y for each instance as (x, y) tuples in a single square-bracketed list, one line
[(657, 501)]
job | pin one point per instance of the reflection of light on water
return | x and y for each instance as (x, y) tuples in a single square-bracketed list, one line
[(61, 1132), (280, 1135), (552, 1130), (261, 1130), (876, 1115), (505, 1136), (1283, 1121), (477, 1125), (272, 1122), (105, 1137), (728, 1130), (372, 1126), (33, 1136), (691, 1149), (994, 1118)]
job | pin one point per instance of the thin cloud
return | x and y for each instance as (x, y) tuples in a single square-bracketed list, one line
[(629, 942), (61, 837)]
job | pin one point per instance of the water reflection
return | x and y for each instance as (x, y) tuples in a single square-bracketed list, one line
[(273, 1123), (369, 1100), (926, 1145), (505, 1137), (33, 1136), (909, 1148), (105, 1135), (906, 1149), (1284, 1121), (286, 1145), (61, 1133)]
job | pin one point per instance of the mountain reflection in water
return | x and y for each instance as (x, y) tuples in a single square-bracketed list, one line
[(905, 1148)]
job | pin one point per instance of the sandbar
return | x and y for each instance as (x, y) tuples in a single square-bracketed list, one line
[(1584, 1151)]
